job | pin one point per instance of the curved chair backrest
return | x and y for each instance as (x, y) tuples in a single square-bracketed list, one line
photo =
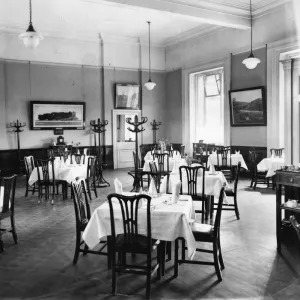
[(237, 174), (81, 203), (45, 168), (162, 158), (91, 167), (182, 150), (253, 161), (224, 157), (7, 193), (129, 206), (276, 151), (29, 165), (219, 211), (192, 175), (78, 158)]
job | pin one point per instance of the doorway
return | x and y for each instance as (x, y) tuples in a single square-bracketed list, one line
[(123, 139)]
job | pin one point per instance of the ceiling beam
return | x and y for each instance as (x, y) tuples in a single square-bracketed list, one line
[(203, 14)]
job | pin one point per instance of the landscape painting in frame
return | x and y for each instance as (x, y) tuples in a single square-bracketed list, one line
[(127, 96), (52, 114), (248, 107)]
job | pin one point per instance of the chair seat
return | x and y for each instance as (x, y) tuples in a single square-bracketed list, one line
[(140, 246), (229, 192), (203, 232)]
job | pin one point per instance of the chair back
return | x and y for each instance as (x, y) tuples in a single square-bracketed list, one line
[(78, 158), (50, 153), (237, 174), (129, 206), (7, 193), (276, 151), (182, 150), (65, 155), (91, 167), (29, 165), (253, 162), (155, 175), (45, 168), (81, 203), (224, 157), (162, 159), (219, 211), (192, 175), (171, 152)]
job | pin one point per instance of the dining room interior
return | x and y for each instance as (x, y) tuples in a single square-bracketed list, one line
[(149, 149)]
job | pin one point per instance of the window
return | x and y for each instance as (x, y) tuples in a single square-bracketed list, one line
[(209, 106)]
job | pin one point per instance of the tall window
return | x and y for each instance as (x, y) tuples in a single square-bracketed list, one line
[(209, 106)]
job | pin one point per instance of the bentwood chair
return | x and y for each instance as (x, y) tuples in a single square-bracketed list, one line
[(182, 150), (163, 162), (224, 162), (277, 151), (29, 166), (91, 176), (156, 176), (83, 215), (205, 233), (258, 177), (78, 158), (7, 205), (127, 213), (232, 192), (189, 177)]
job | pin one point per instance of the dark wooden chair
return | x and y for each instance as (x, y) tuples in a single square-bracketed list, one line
[(156, 176), (191, 178), (91, 176), (232, 192), (205, 233), (182, 150), (224, 162), (277, 151), (258, 177), (83, 215), (29, 166), (78, 158), (47, 181), (8, 187), (131, 241)]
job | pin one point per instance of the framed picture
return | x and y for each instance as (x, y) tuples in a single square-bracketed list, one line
[(128, 96), (248, 107), (51, 114)]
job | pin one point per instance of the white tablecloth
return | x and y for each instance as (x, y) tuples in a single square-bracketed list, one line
[(62, 172), (235, 158), (173, 163), (271, 165), (168, 222), (149, 156)]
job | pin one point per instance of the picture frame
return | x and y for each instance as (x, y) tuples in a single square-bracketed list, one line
[(48, 115), (128, 96), (248, 107)]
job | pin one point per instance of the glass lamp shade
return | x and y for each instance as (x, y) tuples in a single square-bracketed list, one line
[(150, 85), (30, 38), (251, 62)]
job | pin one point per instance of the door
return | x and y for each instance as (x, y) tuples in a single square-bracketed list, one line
[(123, 139)]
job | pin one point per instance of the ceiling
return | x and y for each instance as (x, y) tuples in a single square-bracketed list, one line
[(171, 20)]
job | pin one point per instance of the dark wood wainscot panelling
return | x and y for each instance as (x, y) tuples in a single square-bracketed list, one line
[(9, 158)]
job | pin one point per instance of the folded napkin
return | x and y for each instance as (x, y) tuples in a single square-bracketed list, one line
[(175, 191), (118, 186), (212, 169), (85, 151), (214, 152), (273, 155), (237, 152), (283, 156), (152, 188), (196, 165)]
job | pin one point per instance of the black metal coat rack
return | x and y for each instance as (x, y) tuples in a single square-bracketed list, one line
[(99, 127), (136, 124), (155, 125), (17, 125)]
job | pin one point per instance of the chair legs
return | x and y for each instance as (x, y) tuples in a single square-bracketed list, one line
[(236, 209), (216, 260), (13, 229), (77, 247)]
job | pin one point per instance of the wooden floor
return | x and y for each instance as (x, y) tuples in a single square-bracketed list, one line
[(40, 266)]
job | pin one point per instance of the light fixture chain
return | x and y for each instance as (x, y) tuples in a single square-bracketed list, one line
[(149, 53), (30, 12)]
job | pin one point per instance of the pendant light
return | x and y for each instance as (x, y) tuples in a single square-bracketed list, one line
[(251, 62), (149, 85), (30, 38)]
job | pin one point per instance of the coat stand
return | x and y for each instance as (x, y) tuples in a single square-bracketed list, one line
[(98, 127), (155, 125), (136, 124), (17, 125)]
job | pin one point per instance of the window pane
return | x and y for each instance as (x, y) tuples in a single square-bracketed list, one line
[(212, 85)]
